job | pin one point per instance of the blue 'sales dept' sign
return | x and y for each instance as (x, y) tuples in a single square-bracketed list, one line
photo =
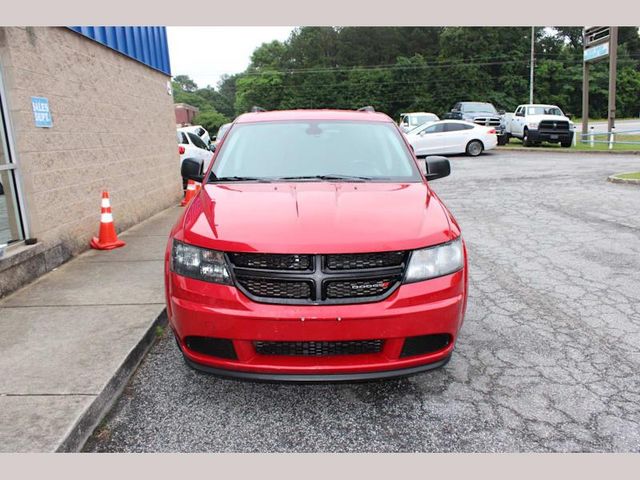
[(41, 112)]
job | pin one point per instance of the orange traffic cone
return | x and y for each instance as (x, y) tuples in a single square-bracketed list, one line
[(107, 239), (189, 194)]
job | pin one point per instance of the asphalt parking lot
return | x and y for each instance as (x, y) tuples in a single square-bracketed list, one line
[(548, 358)]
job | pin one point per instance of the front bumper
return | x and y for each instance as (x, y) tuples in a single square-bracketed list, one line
[(202, 309), (564, 136)]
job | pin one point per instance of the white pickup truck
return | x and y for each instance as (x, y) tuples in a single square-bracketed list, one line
[(535, 123)]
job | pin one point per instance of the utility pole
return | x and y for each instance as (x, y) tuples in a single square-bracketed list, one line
[(585, 100), (613, 60), (533, 40)]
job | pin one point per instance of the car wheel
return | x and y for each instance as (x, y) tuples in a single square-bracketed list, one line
[(525, 138), (474, 148), (566, 144), (503, 139)]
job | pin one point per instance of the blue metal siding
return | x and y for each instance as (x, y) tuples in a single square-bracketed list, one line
[(147, 45)]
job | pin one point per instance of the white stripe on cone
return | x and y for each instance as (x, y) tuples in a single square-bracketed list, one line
[(106, 218), (105, 203)]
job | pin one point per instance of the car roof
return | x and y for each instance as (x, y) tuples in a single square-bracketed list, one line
[(418, 113), (538, 105), (189, 128), (283, 115)]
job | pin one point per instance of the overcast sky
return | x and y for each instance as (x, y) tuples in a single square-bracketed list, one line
[(205, 53)]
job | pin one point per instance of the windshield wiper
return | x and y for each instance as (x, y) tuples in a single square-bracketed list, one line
[(240, 179), (356, 178)]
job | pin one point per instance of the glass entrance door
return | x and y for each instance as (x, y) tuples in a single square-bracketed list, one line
[(11, 226)]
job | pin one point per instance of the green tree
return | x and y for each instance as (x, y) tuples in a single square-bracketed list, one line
[(185, 83), (210, 120)]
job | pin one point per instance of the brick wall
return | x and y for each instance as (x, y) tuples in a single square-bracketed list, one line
[(113, 128)]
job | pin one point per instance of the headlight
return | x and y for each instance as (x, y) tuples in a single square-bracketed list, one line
[(533, 126), (199, 263), (435, 261)]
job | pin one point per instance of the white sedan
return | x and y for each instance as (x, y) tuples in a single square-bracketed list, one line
[(452, 136), (191, 145)]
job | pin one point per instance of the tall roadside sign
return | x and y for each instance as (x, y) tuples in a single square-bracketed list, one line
[(599, 43)]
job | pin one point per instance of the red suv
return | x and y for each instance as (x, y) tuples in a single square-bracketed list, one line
[(316, 251)]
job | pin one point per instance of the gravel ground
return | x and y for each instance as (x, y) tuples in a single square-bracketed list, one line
[(548, 358)]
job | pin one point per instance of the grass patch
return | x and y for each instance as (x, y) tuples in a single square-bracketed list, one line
[(160, 331), (514, 142), (629, 176)]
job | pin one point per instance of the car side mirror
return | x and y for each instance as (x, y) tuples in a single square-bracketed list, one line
[(191, 169), (437, 167)]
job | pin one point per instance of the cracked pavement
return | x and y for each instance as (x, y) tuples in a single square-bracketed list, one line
[(547, 360)]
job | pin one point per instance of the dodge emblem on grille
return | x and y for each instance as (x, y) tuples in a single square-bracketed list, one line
[(364, 286)]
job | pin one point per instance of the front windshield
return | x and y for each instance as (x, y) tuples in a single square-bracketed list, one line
[(543, 111), (222, 130), (420, 119), (478, 107), (312, 149)]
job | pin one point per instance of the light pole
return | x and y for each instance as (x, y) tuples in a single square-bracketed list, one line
[(533, 40)]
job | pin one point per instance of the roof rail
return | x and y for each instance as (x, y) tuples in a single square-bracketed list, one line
[(256, 108), (368, 108)]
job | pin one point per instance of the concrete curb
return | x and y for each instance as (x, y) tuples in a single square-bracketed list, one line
[(567, 151), (84, 426), (629, 181)]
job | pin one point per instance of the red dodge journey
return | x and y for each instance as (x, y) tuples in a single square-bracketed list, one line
[(316, 251)]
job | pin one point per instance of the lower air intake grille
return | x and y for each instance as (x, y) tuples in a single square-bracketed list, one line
[(318, 349), (215, 347)]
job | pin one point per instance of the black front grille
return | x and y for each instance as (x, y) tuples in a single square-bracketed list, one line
[(351, 261), (272, 288), (554, 125), (359, 288), (487, 121), (271, 261), (318, 349), (318, 279)]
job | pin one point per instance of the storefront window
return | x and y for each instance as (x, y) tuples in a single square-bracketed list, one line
[(11, 229)]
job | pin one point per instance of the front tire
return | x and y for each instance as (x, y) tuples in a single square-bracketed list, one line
[(566, 144), (526, 141), (474, 148)]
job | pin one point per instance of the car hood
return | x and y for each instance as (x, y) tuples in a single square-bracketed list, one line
[(317, 217), (553, 118), (475, 115)]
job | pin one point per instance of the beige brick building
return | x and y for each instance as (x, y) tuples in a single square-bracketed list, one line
[(113, 128)]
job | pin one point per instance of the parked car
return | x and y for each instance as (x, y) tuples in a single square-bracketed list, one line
[(452, 136), (316, 250), (409, 121), (192, 146), (221, 131), (535, 123), (482, 113), (200, 131)]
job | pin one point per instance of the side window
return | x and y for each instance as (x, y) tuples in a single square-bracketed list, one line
[(437, 128), (454, 127), (200, 132), (182, 138), (197, 141)]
